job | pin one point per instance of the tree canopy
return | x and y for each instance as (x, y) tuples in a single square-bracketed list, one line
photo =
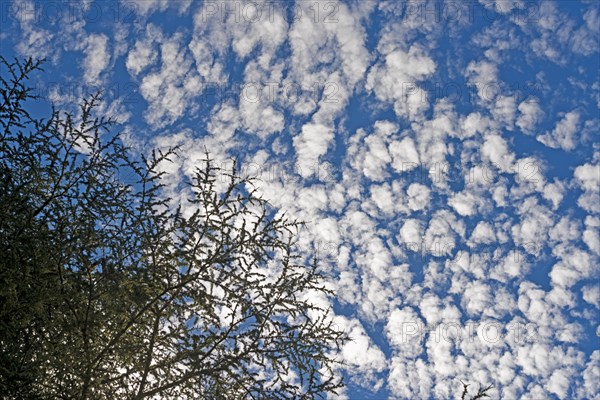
[(107, 291)]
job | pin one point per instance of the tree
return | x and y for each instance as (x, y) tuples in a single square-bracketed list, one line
[(106, 291), (481, 392)]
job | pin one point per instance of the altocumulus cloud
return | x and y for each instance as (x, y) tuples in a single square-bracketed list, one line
[(444, 153)]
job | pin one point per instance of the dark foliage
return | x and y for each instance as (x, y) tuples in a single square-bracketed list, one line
[(108, 292)]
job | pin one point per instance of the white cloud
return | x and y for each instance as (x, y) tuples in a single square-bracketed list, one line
[(97, 57), (474, 123), (530, 114), (591, 378), (590, 235), (410, 379), (171, 89), (311, 144), (411, 231), (483, 233), (554, 192), (574, 265), (502, 6), (587, 177), (563, 134), (404, 331), (559, 383), (418, 196), (142, 55), (504, 110), (377, 158), (495, 150), (383, 197), (479, 237), (147, 7), (33, 41), (404, 154), (464, 203), (477, 298), (365, 358), (396, 80), (483, 75)]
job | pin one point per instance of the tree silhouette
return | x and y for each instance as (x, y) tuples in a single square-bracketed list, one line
[(481, 393), (107, 291)]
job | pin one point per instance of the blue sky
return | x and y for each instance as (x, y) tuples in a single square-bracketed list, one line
[(444, 153)]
